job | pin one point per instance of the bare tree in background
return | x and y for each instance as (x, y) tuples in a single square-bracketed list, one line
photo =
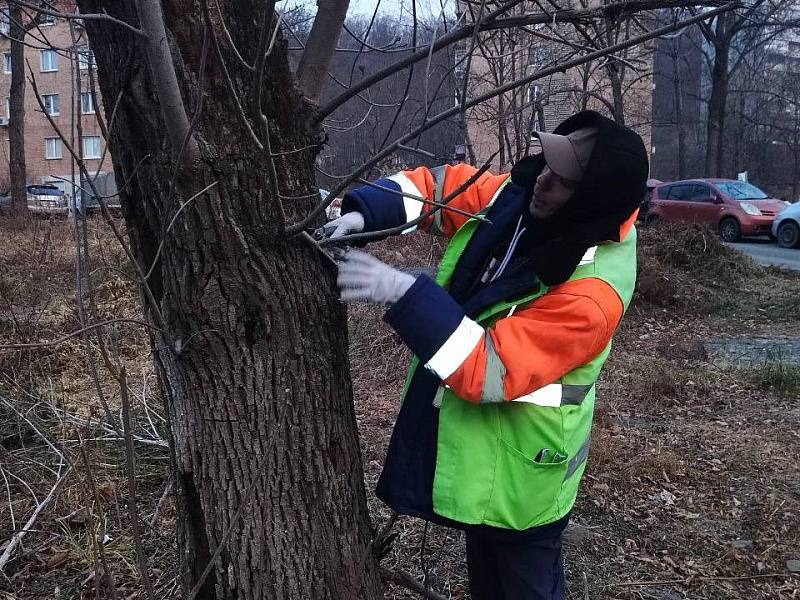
[(732, 37), (16, 103)]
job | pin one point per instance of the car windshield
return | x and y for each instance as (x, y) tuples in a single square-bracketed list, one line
[(44, 190), (739, 190)]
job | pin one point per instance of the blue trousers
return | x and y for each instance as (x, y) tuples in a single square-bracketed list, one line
[(514, 568)]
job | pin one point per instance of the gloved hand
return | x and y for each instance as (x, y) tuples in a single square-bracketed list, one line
[(352, 222), (363, 278)]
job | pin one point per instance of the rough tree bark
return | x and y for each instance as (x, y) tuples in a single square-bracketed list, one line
[(252, 356), (16, 103)]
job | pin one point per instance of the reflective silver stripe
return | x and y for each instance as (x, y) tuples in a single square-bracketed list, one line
[(437, 399), (588, 257), (456, 349), (413, 207), (579, 458), (573, 395), (494, 378), (555, 395), (438, 177), (549, 395)]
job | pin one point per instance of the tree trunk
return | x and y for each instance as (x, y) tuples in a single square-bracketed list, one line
[(677, 90), (252, 354), (16, 103), (615, 78), (501, 130), (720, 77)]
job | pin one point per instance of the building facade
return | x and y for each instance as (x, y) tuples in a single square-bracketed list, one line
[(63, 67), (507, 123)]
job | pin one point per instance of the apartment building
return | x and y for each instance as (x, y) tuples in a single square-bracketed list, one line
[(59, 55), (506, 123)]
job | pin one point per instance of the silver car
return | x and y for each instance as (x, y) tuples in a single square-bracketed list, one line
[(786, 226), (44, 198)]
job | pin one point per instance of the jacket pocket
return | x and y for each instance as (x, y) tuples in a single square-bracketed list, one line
[(524, 492)]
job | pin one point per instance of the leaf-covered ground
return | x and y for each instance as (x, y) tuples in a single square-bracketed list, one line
[(692, 489)]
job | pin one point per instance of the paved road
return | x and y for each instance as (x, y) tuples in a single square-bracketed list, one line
[(768, 253)]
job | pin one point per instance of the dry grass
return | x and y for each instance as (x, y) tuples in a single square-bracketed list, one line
[(686, 268), (687, 456)]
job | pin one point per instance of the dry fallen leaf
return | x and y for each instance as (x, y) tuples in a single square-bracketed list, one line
[(56, 560)]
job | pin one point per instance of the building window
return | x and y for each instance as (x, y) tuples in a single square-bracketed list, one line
[(49, 60), (538, 56), (7, 63), (46, 19), (52, 104), (5, 21), (87, 103), (52, 148), (86, 58), (8, 108), (534, 94), (91, 146)]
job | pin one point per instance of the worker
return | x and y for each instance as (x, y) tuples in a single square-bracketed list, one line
[(493, 432)]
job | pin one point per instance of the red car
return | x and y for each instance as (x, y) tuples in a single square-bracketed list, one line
[(736, 208)]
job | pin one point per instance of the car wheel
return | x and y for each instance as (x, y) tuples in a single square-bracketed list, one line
[(788, 235), (730, 230), (653, 221)]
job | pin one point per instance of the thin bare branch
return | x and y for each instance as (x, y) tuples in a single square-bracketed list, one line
[(77, 332), (17, 538), (306, 222), (80, 17), (494, 21), (130, 470), (228, 37), (152, 305), (377, 235), (109, 576), (441, 205), (171, 223)]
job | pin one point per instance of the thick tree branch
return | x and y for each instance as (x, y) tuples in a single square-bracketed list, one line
[(320, 46), (162, 69)]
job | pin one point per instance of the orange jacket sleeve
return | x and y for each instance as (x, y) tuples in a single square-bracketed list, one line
[(472, 200), (395, 200), (565, 328)]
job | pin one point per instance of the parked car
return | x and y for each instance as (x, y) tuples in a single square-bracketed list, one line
[(786, 226), (735, 208), (644, 205), (46, 198)]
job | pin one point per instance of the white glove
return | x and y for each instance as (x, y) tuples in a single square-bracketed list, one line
[(363, 278), (352, 222)]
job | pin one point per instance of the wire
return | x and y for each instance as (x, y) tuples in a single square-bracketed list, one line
[(518, 231)]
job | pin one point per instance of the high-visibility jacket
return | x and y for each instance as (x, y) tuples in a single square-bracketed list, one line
[(495, 424)]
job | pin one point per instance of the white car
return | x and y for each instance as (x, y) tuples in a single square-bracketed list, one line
[(786, 226)]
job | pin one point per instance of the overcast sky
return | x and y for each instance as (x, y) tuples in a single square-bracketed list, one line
[(425, 8)]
